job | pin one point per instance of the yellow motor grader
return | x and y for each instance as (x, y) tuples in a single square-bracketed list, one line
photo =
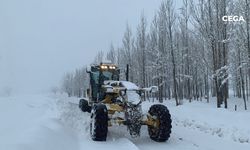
[(114, 102)]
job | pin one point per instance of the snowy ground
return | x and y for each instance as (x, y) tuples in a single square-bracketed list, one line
[(49, 122)]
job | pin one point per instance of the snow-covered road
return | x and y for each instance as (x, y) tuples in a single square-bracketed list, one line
[(42, 122)]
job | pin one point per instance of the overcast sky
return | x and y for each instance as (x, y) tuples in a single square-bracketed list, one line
[(40, 40)]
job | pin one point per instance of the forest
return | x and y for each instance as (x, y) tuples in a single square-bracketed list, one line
[(190, 53)]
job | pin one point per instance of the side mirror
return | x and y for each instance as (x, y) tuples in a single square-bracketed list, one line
[(153, 89)]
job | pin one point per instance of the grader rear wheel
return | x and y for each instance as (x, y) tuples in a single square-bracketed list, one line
[(84, 105)]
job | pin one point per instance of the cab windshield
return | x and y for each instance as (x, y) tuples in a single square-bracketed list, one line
[(107, 75)]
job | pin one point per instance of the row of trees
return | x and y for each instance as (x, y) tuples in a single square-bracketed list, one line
[(189, 53), (75, 83)]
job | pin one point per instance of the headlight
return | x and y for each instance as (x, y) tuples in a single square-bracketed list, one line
[(104, 67), (111, 67)]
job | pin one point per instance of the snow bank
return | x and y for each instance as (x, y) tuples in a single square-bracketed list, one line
[(29, 122), (72, 116)]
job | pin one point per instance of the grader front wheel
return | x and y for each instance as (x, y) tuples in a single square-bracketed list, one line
[(99, 123), (160, 132)]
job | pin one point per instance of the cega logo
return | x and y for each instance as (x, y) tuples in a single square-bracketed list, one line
[(232, 18)]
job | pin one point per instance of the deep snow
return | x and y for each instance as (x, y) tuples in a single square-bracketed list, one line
[(51, 122)]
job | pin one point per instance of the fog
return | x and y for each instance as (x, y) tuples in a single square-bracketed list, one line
[(40, 40)]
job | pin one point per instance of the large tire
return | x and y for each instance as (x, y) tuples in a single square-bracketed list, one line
[(99, 123), (84, 105), (163, 131)]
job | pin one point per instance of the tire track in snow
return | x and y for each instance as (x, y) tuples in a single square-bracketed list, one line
[(120, 143)]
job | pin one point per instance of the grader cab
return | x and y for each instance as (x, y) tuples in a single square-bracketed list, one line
[(98, 74)]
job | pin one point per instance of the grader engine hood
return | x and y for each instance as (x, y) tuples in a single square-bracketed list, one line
[(132, 92), (129, 90)]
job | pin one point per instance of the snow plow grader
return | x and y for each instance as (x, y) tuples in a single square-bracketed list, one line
[(114, 102)]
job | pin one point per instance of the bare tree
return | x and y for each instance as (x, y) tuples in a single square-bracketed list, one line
[(170, 20), (141, 42), (111, 55)]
